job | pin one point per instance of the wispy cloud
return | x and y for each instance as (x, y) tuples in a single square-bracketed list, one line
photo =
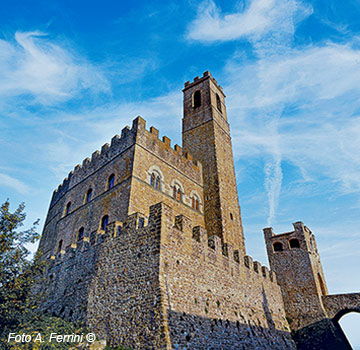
[(13, 183), (315, 90), (288, 104), (34, 65)]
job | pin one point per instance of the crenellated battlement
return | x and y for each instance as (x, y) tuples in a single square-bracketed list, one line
[(300, 237), (213, 245), (137, 223), (197, 80), (299, 228), (119, 144), (165, 142)]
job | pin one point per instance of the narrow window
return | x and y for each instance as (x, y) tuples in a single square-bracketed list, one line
[(195, 203), (111, 181), (278, 247), (88, 195), (81, 234), (177, 194), (294, 243), (231, 217), (197, 99), (141, 222), (104, 222), (152, 180), (59, 246), (67, 208), (218, 102), (157, 182)]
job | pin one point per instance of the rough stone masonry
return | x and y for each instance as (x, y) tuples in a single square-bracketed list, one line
[(145, 245)]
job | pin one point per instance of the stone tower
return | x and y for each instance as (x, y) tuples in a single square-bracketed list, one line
[(294, 258), (206, 135)]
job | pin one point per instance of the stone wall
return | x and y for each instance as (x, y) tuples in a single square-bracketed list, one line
[(175, 167), (212, 299), (124, 303), (337, 305), (167, 286)]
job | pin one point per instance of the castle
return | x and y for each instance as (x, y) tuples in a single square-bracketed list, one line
[(146, 246)]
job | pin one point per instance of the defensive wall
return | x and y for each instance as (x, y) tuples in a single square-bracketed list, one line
[(167, 285)]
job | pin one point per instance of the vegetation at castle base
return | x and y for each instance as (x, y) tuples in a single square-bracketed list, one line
[(18, 306)]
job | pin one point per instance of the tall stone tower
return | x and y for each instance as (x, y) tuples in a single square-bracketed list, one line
[(206, 135)]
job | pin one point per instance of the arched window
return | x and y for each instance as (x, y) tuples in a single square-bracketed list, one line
[(88, 195), (197, 98), (81, 234), (195, 202), (111, 181), (294, 243), (59, 247), (218, 103), (278, 247), (67, 208), (155, 180), (177, 194), (104, 222)]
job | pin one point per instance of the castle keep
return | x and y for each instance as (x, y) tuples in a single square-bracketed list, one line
[(146, 246)]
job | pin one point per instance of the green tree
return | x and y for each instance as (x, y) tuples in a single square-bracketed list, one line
[(18, 275), (16, 271)]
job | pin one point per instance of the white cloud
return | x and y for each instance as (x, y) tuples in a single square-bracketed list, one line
[(37, 66), (258, 19), (11, 182), (311, 97)]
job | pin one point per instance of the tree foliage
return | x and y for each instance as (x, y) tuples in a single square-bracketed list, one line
[(16, 271), (18, 303)]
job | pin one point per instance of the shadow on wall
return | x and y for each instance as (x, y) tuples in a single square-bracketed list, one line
[(198, 333), (325, 334)]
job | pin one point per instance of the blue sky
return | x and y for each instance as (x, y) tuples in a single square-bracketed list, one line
[(73, 74)]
